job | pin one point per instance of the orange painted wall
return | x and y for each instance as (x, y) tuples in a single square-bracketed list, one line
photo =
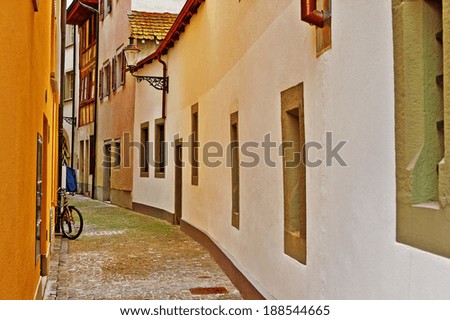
[(26, 96)]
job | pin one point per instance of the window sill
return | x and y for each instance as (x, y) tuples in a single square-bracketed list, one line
[(144, 174), (160, 175), (86, 102), (428, 205)]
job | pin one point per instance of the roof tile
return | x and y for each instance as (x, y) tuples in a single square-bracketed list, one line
[(150, 25)]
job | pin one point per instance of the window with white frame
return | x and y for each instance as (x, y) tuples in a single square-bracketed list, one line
[(69, 85), (70, 36)]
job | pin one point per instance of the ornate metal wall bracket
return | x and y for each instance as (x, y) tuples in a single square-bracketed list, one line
[(155, 82), (158, 83), (70, 120)]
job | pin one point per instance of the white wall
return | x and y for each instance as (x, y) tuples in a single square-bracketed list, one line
[(172, 6), (351, 211), (157, 192), (69, 66)]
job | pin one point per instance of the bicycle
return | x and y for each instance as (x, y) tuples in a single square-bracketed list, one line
[(70, 218)]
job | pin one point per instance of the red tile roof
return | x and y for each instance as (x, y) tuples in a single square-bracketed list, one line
[(77, 14), (190, 8), (150, 25)]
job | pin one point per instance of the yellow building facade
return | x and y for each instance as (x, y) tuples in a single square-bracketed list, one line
[(29, 144)]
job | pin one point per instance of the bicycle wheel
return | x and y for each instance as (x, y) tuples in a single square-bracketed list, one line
[(72, 223)]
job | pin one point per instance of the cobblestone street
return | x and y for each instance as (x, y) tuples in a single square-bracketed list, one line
[(125, 255)]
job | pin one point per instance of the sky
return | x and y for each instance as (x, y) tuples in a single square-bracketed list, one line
[(172, 6)]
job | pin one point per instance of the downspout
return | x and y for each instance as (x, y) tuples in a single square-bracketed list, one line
[(165, 88), (97, 34), (311, 15), (97, 45), (72, 149), (61, 103)]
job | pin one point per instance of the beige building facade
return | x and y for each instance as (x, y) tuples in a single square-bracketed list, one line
[(116, 91), (115, 105)]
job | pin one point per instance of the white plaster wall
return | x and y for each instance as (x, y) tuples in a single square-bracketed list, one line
[(351, 211), (172, 6), (69, 57), (156, 192)]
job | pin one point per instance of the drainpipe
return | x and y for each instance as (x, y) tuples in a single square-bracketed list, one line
[(72, 149), (96, 100), (61, 102), (311, 15), (95, 89), (165, 88)]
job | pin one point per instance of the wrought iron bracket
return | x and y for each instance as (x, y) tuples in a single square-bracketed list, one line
[(70, 120), (159, 83)]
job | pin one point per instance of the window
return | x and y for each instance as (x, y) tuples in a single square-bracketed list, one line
[(144, 150), (160, 154), (69, 85), (194, 145), (84, 93), (421, 171), (87, 87), (70, 29), (87, 92), (234, 134), (88, 33), (120, 72), (294, 173)]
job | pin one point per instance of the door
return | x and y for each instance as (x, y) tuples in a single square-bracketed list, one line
[(178, 181), (39, 179), (92, 162), (43, 197), (107, 161), (81, 168)]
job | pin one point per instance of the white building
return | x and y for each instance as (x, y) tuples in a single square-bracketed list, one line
[(71, 100), (243, 70)]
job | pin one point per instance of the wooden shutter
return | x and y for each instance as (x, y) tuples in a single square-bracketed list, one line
[(124, 68), (108, 79), (100, 84), (101, 5), (114, 80)]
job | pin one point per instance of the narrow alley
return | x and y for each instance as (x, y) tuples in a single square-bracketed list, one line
[(239, 150), (126, 255)]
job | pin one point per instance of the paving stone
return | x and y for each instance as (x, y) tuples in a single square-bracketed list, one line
[(124, 255)]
